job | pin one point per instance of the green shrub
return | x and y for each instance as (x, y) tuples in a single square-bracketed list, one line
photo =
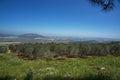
[(29, 75), (3, 49)]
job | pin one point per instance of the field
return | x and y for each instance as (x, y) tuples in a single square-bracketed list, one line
[(8, 43), (92, 68)]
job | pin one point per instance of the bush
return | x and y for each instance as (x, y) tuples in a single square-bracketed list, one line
[(29, 75), (3, 49)]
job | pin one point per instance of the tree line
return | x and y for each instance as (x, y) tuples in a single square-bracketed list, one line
[(78, 49)]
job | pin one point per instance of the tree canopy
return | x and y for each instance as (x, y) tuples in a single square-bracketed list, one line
[(106, 5), (78, 49)]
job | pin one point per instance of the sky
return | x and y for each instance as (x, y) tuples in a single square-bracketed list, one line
[(59, 17)]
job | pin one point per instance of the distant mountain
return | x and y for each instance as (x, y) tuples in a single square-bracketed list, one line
[(31, 36), (6, 35)]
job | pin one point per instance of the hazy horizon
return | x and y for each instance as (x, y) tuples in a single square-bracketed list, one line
[(77, 18)]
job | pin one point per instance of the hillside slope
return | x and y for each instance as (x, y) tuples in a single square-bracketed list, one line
[(93, 68)]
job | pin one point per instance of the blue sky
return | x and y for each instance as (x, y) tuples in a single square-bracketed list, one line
[(59, 17)]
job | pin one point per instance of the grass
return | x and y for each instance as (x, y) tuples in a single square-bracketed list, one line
[(13, 68)]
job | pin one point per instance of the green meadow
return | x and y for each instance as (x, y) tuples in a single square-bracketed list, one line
[(91, 68)]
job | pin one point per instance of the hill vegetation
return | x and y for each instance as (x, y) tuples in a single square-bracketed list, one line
[(92, 68), (60, 61), (55, 50)]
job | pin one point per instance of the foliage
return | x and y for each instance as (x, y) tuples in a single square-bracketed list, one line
[(104, 4), (29, 75), (14, 68), (49, 50), (3, 49)]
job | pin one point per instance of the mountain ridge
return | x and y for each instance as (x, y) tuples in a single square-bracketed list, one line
[(31, 35)]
